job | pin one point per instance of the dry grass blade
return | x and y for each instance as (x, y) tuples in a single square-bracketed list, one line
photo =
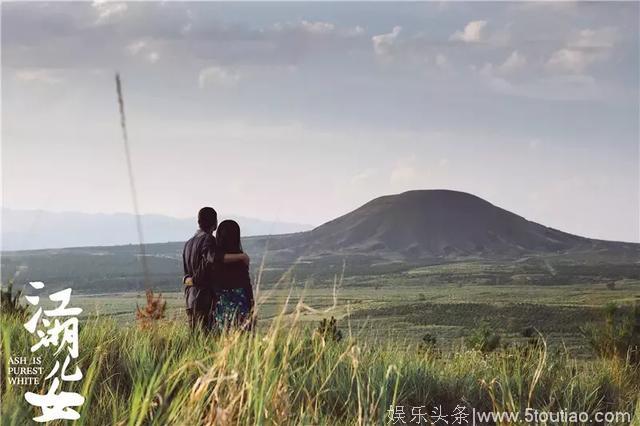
[(132, 185)]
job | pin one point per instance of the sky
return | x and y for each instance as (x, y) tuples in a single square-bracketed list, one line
[(301, 112)]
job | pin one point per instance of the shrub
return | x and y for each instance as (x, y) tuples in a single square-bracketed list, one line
[(153, 310), (618, 336), (10, 304), (484, 339), (532, 335), (328, 330), (428, 343), (528, 332)]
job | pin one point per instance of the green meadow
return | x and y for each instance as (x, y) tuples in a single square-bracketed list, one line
[(402, 307), (289, 374), (437, 336)]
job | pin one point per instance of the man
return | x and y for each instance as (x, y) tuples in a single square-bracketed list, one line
[(200, 260)]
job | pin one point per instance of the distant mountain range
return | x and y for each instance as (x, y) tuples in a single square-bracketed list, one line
[(38, 229), (411, 225), (389, 234)]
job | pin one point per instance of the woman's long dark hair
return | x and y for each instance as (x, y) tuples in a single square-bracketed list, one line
[(228, 236)]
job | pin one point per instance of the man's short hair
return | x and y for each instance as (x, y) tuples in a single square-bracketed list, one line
[(207, 218)]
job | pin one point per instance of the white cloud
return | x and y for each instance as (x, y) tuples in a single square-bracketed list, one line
[(570, 60), (142, 46), (310, 30), (555, 87), (602, 37), (318, 27), (442, 61), (218, 76), (515, 62), (534, 143), (355, 31), (562, 86), (409, 173), (383, 43), (546, 6), (583, 49), (363, 177), (501, 85), (473, 32), (135, 47), (186, 28), (107, 10), (153, 57), (403, 174), (37, 76), (486, 70)]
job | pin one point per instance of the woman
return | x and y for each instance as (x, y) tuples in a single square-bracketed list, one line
[(234, 295)]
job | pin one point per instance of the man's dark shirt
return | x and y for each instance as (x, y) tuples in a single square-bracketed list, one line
[(200, 260)]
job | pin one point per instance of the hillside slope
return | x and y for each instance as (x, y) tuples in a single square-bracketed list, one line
[(433, 223)]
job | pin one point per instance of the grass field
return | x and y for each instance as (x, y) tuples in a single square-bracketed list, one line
[(287, 374), (402, 307)]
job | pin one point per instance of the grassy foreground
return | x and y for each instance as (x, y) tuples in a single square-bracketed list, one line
[(289, 375)]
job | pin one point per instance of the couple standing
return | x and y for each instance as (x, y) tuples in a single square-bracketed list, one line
[(217, 284)]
